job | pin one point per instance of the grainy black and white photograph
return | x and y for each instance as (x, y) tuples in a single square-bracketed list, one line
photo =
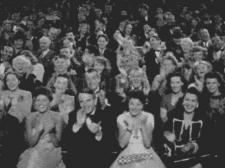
[(112, 84)]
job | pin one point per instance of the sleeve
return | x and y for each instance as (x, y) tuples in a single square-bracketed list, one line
[(164, 101)]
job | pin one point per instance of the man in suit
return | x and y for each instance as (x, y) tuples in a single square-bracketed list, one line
[(102, 42), (11, 139), (45, 56), (88, 136), (152, 58)]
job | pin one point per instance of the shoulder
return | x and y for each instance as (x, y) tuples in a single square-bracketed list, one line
[(121, 117), (24, 92), (32, 116), (150, 118)]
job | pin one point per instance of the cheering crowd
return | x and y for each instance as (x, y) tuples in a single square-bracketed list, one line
[(112, 84)]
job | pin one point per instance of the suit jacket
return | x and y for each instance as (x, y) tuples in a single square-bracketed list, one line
[(152, 66), (11, 141), (111, 56), (82, 148), (47, 62)]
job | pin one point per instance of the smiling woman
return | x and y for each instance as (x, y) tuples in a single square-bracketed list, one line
[(18, 101), (43, 133)]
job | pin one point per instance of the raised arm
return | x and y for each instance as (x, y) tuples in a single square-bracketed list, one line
[(147, 125), (33, 131)]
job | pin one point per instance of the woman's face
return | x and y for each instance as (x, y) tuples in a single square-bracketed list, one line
[(122, 26), (12, 82), (176, 84), (135, 106), (61, 84), (190, 102), (128, 29), (42, 103), (186, 46), (18, 44), (198, 55), (102, 42), (212, 85), (66, 52), (61, 65), (20, 66), (67, 43), (135, 78), (168, 66), (202, 69), (99, 67)]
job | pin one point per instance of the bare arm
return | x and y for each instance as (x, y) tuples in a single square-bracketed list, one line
[(124, 135), (56, 137), (33, 133), (146, 131)]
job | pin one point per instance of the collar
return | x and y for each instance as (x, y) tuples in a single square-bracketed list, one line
[(45, 52)]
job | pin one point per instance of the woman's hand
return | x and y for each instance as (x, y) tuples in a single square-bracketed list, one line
[(188, 147), (170, 136)]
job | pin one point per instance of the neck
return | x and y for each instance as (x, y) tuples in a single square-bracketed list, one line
[(178, 93), (188, 116)]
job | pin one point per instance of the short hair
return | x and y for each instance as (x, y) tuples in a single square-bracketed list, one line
[(92, 70), (41, 90), (216, 75), (86, 90), (104, 36), (19, 35), (136, 95)]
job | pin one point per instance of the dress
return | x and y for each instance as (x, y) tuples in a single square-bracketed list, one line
[(44, 154), (135, 155)]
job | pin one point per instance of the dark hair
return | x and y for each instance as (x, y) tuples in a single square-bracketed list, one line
[(41, 90), (19, 35), (86, 90), (104, 36), (10, 73), (215, 75), (193, 90), (92, 50), (171, 75), (136, 95)]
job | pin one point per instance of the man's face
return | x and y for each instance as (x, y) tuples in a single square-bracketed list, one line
[(44, 44), (93, 80), (87, 102)]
